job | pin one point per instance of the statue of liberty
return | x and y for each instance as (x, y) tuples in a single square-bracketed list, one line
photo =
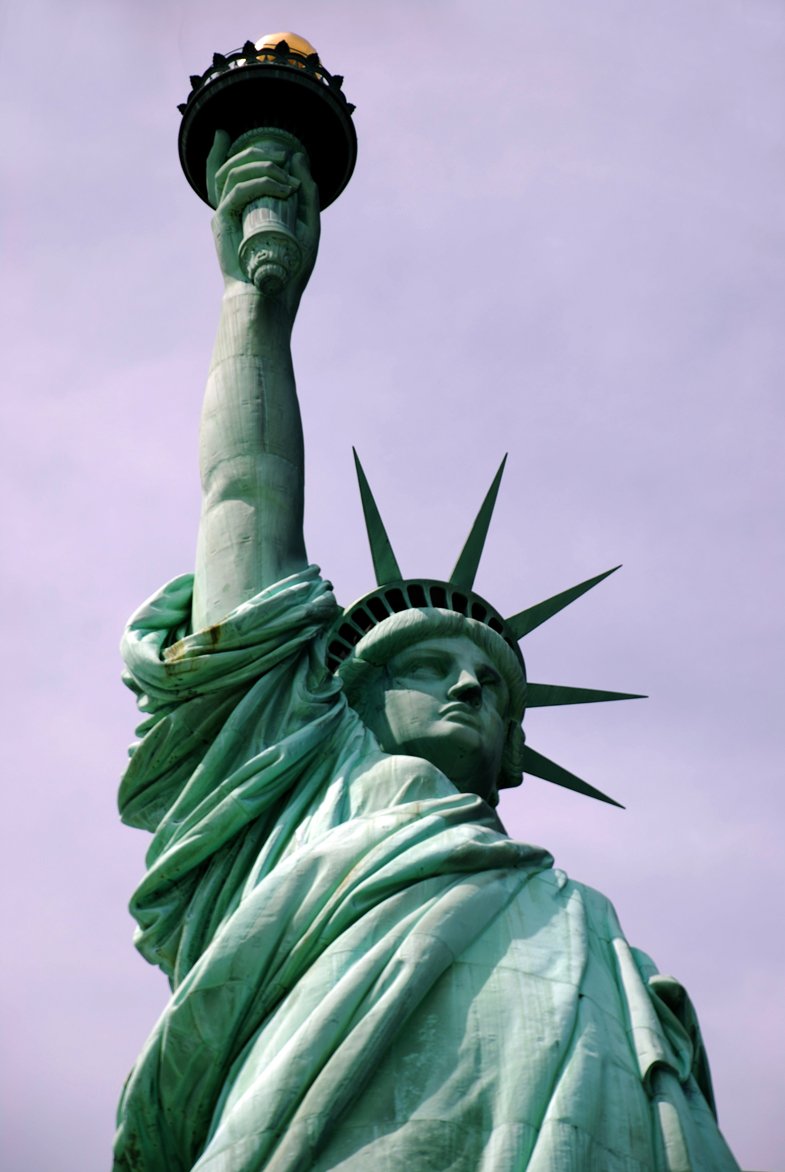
[(366, 970)]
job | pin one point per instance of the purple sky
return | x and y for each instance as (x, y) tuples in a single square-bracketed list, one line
[(563, 238)]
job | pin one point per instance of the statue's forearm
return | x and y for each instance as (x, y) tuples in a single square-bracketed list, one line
[(251, 459)]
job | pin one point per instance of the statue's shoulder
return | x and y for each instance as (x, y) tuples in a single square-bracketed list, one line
[(596, 909)]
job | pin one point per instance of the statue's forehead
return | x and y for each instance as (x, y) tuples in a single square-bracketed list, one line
[(458, 646)]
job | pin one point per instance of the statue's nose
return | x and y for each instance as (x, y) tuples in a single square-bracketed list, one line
[(466, 688)]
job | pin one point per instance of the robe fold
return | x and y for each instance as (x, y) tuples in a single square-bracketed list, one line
[(366, 971)]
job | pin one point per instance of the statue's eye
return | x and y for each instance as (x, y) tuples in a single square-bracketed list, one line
[(422, 667), (494, 685)]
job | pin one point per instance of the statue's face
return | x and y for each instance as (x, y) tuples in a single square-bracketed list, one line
[(444, 700)]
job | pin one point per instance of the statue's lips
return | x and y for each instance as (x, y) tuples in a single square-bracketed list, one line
[(460, 713)]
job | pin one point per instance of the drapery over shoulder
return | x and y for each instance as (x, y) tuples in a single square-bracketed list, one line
[(366, 969), (237, 715)]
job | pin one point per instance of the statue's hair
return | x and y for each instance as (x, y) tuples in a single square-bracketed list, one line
[(360, 671)]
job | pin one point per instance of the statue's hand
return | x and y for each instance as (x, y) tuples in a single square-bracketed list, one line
[(233, 183)]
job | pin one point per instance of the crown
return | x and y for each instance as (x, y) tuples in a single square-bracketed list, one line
[(395, 595)]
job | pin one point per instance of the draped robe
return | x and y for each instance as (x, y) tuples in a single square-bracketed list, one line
[(366, 971)]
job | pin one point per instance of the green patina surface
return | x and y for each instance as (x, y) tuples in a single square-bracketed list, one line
[(366, 970)]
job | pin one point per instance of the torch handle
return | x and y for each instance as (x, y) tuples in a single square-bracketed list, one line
[(269, 252)]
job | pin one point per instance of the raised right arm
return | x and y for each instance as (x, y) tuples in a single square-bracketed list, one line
[(251, 444)]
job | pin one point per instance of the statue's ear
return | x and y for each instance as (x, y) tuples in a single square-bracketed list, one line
[(366, 695), (511, 773)]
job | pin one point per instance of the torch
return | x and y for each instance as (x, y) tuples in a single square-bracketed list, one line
[(277, 95)]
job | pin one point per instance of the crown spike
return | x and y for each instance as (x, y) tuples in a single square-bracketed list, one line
[(385, 566), (539, 766), (466, 567), (527, 620), (548, 695)]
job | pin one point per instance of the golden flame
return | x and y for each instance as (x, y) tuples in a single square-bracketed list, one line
[(295, 42)]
